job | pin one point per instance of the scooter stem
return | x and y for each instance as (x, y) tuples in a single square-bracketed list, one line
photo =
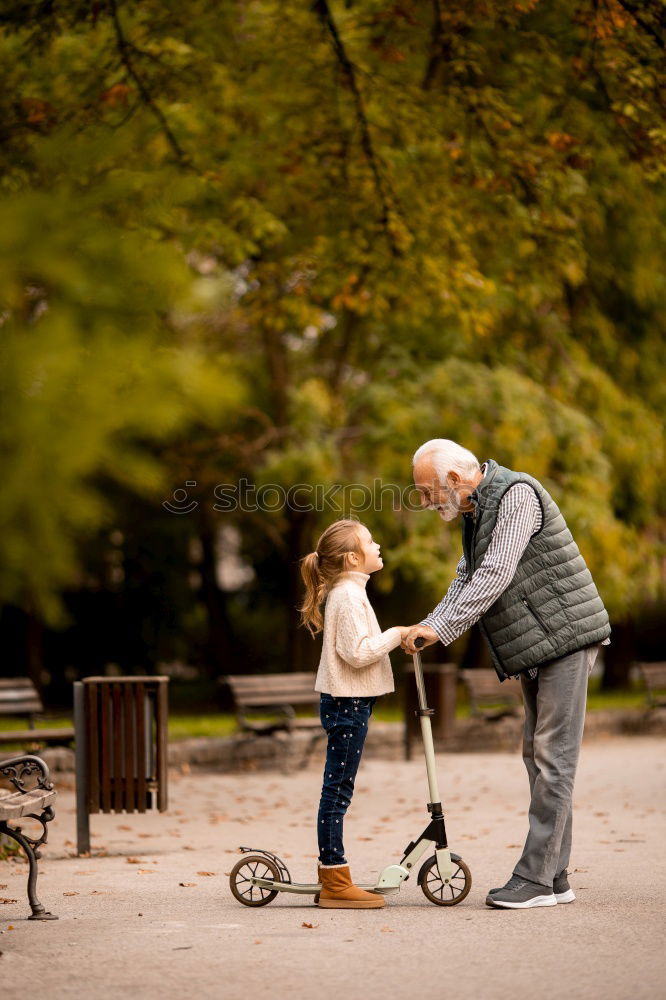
[(426, 729)]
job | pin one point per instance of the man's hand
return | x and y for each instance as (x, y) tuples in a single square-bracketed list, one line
[(427, 634)]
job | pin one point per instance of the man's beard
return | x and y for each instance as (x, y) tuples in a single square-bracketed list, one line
[(448, 511)]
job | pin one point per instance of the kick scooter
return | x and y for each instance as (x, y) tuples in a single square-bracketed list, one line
[(444, 877)]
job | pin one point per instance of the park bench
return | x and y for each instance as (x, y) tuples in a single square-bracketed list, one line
[(276, 695), (30, 795), (488, 697), (18, 696), (654, 678)]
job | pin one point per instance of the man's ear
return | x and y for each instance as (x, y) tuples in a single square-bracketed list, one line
[(452, 478)]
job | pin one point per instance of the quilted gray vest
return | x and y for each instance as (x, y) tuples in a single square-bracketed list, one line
[(552, 606)]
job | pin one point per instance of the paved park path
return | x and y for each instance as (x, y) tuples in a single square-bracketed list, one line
[(128, 927)]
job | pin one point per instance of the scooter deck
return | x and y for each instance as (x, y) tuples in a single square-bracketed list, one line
[(311, 889)]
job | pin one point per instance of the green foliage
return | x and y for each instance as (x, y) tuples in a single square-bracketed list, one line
[(293, 241), (100, 370)]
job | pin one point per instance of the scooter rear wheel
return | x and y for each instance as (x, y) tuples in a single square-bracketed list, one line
[(443, 893), (253, 866)]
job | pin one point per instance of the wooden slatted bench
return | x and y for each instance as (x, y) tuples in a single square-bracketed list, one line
[(30, 793), (18, 696), (488, 697), (654, 678), (276, 695)]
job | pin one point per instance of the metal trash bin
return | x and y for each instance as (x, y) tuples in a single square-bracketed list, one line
[(440, 684), (121, 747)]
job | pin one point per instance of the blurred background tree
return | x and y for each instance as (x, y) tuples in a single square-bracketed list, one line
[(288, 243)]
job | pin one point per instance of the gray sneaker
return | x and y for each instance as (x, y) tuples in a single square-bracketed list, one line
[(519, 894), (561, 888)]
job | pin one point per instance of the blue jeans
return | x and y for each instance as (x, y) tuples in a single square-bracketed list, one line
[(346, 723)]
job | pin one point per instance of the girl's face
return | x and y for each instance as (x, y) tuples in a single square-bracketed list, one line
[(369, 559)]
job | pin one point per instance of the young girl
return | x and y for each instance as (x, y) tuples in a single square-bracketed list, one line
[(354, 670)]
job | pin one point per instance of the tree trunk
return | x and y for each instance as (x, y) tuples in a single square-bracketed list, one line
[(618, 657), (219, 642), (302, 651), (34, 645), (476, 652)]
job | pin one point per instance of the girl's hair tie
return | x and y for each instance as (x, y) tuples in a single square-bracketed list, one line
[(317, 555)]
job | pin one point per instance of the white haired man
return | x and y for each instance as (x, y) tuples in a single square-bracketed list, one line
[(523, 579)]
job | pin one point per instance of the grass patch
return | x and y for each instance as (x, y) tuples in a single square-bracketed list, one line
[(8, 848), (216, 725), (633, 697), (9, 723)]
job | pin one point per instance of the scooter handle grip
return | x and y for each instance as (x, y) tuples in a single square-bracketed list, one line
[(419, 641)]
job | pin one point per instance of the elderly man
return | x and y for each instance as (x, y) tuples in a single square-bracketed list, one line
[(523, 579)]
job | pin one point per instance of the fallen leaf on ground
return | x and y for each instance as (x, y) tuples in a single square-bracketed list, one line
[(8, 900), (134, 861), (124, 827), (188, 847), (256, 942), (145, 871), (387, 930), (70, 893), (85, 873), (187, 884), (206, 873), (312, 926), (3, 886)]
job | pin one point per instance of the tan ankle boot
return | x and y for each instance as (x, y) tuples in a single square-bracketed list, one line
[(339, 892)]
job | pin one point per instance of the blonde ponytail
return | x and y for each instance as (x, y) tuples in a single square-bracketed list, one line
[(315, 592), (321, 568)]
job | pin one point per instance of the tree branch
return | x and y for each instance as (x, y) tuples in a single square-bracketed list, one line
[(435, 46), (323, 11), (124, 48), (633, 10)]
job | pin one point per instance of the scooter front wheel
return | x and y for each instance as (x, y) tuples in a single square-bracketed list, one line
[(253, 866), (445, 893)]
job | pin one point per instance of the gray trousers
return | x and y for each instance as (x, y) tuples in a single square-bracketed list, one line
[(554, 719)]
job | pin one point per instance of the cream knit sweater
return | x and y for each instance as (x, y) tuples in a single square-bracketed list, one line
[(354, 658)]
